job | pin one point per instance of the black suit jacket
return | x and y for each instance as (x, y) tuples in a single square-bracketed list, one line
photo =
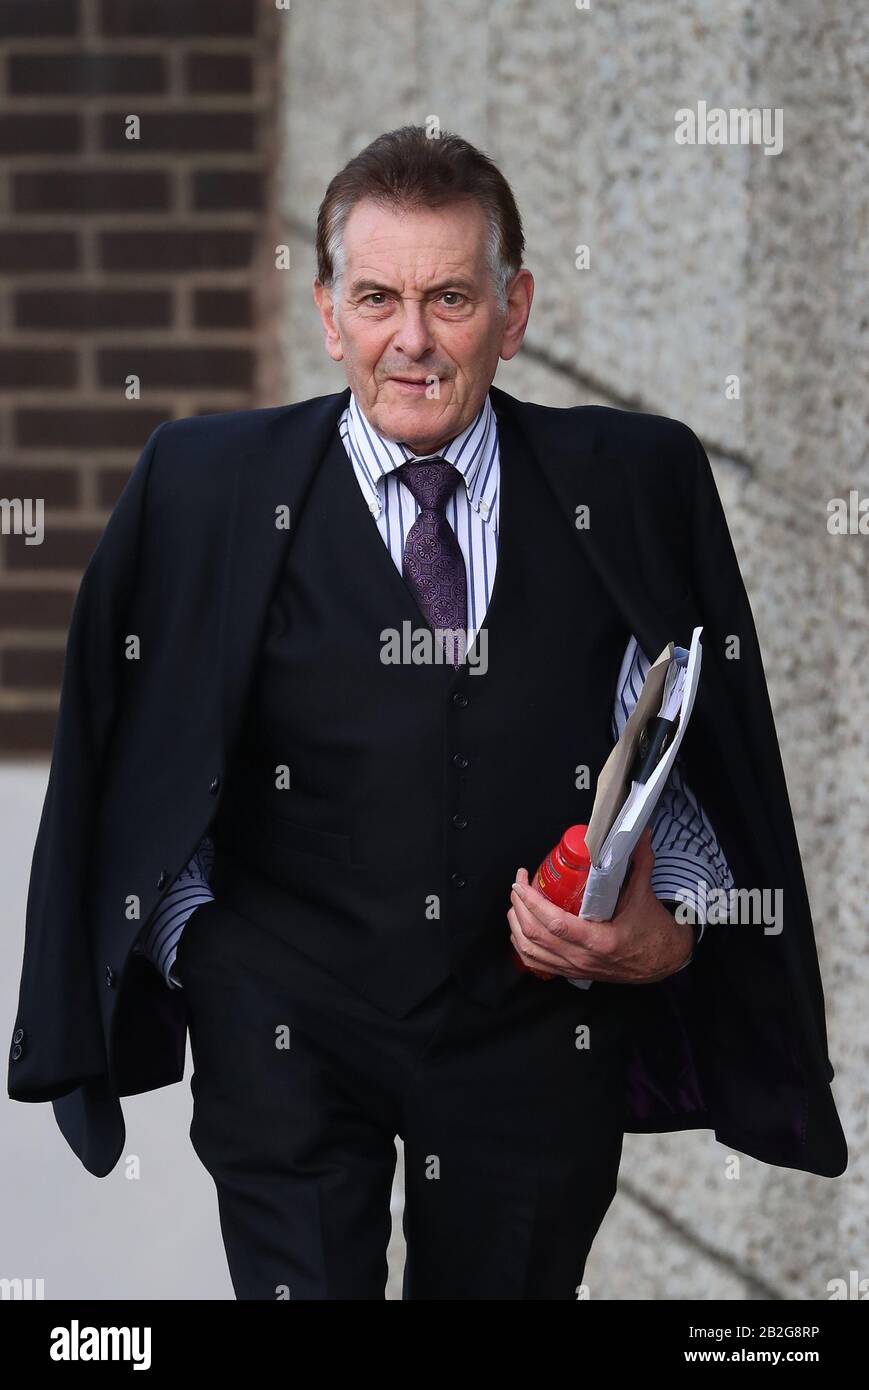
[(187, 563)]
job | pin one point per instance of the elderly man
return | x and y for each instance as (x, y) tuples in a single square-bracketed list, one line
[(324, 850)]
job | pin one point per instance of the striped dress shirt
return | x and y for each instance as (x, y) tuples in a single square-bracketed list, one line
[(686, 849)]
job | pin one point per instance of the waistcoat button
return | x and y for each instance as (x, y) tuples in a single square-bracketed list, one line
[(459, 760), (162, 879), (215, 783), (457, 881), (460, 699), (460, 822)]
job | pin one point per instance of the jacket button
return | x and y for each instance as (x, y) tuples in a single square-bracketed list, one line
[(110, 977), (18, 1035), (460, 821), (459, 760), (460, 699), (16, 1052), (215, 783), (457, 881), (162, 879)]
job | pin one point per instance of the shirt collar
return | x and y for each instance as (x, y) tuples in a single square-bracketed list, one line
[(474, 453)]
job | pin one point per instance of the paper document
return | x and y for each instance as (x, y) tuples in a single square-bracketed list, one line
[(635, 774)]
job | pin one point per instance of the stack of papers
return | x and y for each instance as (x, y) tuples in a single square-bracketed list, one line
[(635, 774)]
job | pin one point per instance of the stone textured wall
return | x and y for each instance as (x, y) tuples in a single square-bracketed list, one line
[(706, 261)]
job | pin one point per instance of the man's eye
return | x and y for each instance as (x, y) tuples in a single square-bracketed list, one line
[(453, 295)]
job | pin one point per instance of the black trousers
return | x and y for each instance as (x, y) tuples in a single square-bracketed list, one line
[(512, 1127)]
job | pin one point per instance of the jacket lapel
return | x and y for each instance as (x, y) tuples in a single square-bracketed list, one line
[(579, 473), (270, 480)]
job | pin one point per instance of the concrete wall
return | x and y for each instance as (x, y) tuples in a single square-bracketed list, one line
[(706, 261)]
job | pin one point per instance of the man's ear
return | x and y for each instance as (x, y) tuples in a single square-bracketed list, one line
[(325, 303), (519, 296)]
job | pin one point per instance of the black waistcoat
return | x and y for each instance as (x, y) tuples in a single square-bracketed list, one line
[(415, 791)]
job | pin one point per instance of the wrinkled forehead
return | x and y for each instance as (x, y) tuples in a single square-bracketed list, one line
[(416, 247)]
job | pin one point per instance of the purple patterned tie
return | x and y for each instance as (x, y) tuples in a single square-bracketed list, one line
[(433, 564)]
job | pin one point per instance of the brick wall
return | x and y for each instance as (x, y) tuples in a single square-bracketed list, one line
[(150, 258)]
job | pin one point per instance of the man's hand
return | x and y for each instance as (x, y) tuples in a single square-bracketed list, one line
[(642, 943)]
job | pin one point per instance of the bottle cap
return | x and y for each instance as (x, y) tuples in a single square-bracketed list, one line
[(573, 847)]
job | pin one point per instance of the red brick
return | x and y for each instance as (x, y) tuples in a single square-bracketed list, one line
[(180, 131), (86, 74), (90, 428), (39, 251), (64, 439), (222, 190), (200, 248), (40, 132), (178, 18), (32, 668), (222, 308), (178, 368), (61, 549), (91, 190), (26, 609), (25, 18), (23, 368), (84, 310), (58, 486), (219, 72), (27, 731)]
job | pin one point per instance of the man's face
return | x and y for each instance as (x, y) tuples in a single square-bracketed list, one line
[(416, 321)]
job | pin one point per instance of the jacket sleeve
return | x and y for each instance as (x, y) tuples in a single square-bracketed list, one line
[(759, 822), (57, 1038)]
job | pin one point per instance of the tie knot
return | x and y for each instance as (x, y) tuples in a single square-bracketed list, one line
[(431, 481)]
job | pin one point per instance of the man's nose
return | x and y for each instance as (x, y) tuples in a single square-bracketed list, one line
[(413, 337)]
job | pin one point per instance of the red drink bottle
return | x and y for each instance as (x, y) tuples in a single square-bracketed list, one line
[(562, 876)]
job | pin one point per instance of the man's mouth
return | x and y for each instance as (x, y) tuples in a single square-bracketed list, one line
[(410, 383)]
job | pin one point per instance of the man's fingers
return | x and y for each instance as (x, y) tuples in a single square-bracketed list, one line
[(532, 937), (545, 935), (530, 949), (547, 913), (557, 926)]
